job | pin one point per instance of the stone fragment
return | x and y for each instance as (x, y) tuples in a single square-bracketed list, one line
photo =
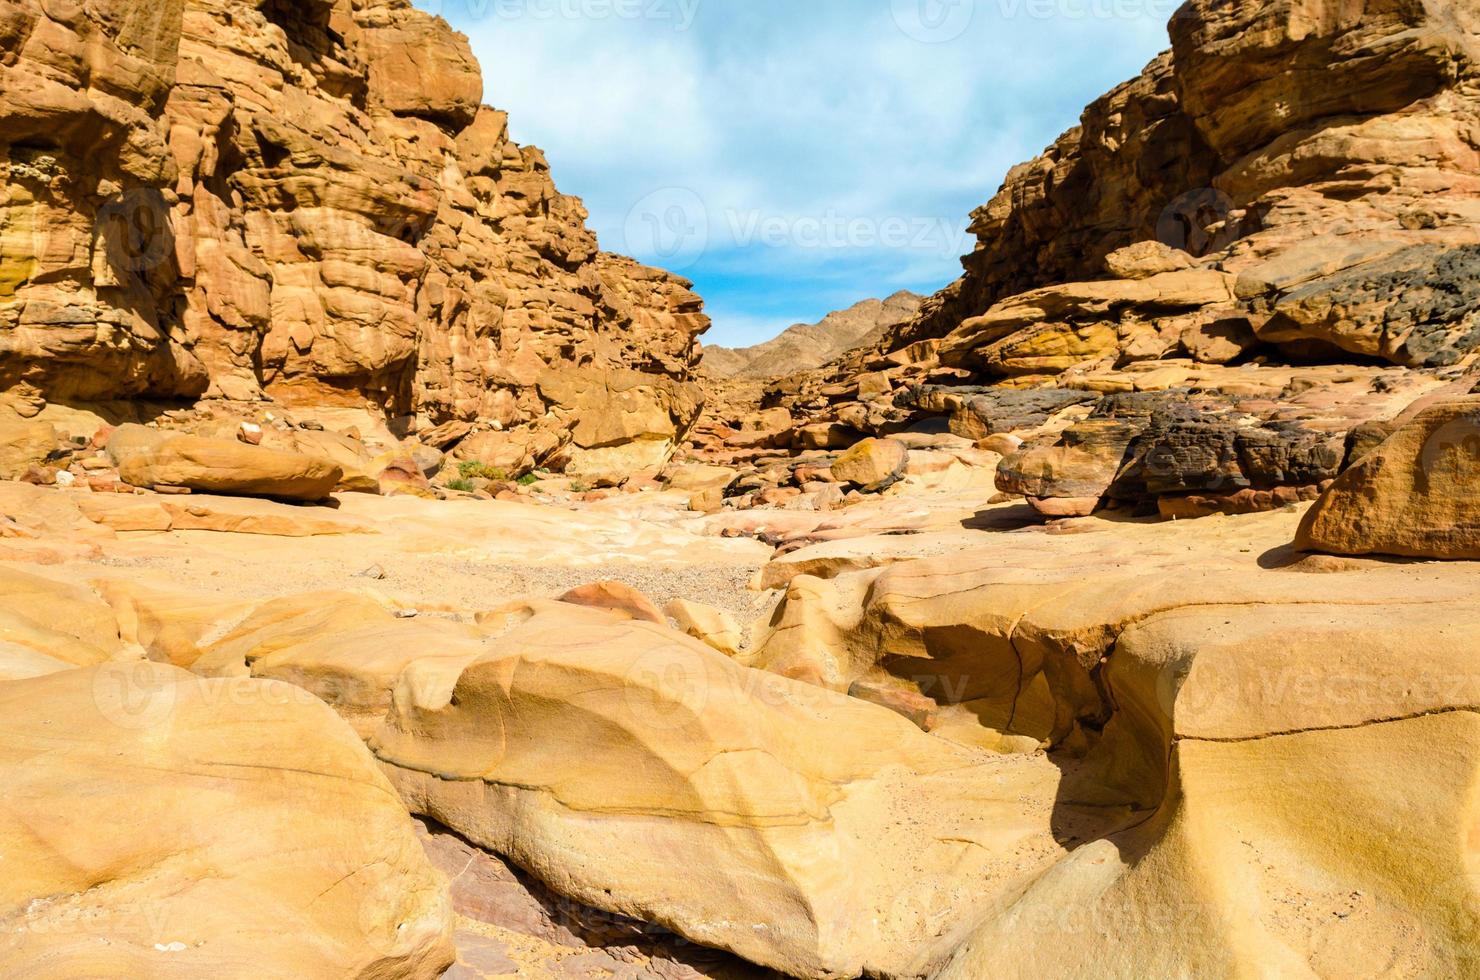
[(873, 464), (617, 597), (231, 468), (709, 625), (1417, 495), (24, 446), (696, 477), (1146, 259)]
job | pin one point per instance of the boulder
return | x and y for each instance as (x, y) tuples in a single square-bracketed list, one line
[(231, 468), (696, 477), (1146, 259), (131, 439), (1417, 495), (247, 828), (873, 464), (707, 501), (1081, 466), (618, 597), (24, 445), (827, 435), (397, 473), (346, 649), (347, 453), (709, 625), (641, 772)]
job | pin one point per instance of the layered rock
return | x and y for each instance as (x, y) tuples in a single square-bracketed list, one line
[(1265, 126), (238, 198), (1292, 187), (1237, 717), (631, 768)]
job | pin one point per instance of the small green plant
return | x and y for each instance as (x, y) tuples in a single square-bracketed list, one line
[(529, 479), (474, 470), (579, 486), (461, 486)]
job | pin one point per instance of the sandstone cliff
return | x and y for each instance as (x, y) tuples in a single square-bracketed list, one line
[(308, 201), (1286, 142), (1221, 287)]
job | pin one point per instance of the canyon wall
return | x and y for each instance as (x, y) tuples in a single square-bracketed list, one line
[(308, 201), (1287, 142), (1219, 289)]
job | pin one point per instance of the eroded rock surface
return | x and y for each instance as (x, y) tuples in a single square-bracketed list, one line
[(1417, 495), (1290, 190), (159, 824), (231, 198)]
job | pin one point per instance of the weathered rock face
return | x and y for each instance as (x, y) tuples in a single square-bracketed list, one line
[(1417, 495), (635, 769), (236, 197), (1238, 718), (1101, 186), (1285, 143), (1291, 193)]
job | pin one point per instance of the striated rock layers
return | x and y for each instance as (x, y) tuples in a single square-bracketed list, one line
[(238, 198), (1321, 155), (1283, 204)]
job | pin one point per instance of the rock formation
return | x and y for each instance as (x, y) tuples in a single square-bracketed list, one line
[(246, 198), (1211, 285), (865, 684), (805, 346), (158, 824), (621, 759), (1417, 495)]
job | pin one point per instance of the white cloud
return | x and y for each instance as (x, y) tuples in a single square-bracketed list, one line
[(797, 111)]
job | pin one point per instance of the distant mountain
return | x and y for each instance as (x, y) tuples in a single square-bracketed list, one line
[(811, 345)]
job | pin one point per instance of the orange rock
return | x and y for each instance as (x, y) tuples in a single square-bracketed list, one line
[(618, 597)]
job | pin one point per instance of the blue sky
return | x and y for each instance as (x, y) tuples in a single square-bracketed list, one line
[(795, 156)]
